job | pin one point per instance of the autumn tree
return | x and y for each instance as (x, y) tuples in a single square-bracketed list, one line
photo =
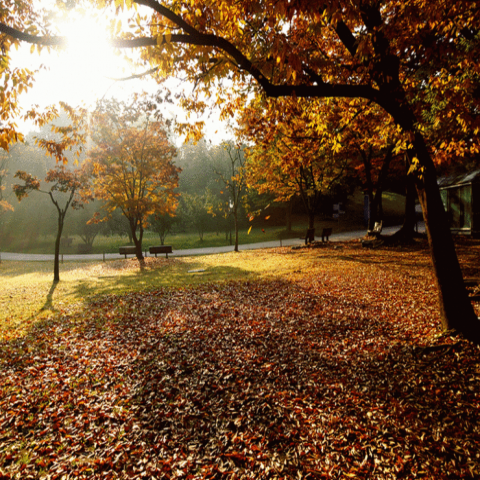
[(291, 156), (64, 193), (131, 166), (402, 55), (369, 137), (233, 179), (4, 204)]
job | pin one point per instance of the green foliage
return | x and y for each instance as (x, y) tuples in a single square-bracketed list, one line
[(195, 211), (162, 225)]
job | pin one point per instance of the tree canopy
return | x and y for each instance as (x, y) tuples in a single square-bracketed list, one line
[(131, 164)]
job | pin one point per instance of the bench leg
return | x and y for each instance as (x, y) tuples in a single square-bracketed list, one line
[(166, 254)]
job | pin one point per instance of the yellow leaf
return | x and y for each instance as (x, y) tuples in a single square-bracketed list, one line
[(249, 230)]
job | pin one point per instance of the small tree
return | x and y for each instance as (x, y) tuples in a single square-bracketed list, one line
[(195, 209), (86, 229), (63, 194), (162, 224)]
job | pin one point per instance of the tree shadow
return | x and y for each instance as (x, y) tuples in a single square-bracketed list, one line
[(156, 276), (48, 305)]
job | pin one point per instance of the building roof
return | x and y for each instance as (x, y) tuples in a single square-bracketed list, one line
[(459, 179)]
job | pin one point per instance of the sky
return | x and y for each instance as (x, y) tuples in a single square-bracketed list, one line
[(85, 71)]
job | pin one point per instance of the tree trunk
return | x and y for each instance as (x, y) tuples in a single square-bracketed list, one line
[(137, 240), (310, 235), (56, 259), (406, 233), (455, 306), (372, 210), (235, 219)]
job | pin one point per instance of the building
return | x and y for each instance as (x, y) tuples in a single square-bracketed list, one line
[(461, 199)]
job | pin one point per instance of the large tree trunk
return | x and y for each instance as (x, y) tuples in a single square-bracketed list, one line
[(455, 306)]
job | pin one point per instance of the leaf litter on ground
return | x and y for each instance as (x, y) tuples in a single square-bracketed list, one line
[(339, 370)]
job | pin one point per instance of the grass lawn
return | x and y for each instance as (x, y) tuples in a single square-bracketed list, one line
[(262, 231), (313, 363)]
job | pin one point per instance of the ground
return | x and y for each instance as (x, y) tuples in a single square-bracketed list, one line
[(313, 363)]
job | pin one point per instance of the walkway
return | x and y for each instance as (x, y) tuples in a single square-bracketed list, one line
[(336, 237)]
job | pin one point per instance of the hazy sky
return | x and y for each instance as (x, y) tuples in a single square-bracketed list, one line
[(83, 72)]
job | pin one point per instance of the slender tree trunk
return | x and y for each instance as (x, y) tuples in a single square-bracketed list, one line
[(56, 259), (372, 210), (235, 219), (375, 201)]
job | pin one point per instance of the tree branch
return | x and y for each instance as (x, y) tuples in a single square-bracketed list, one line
[(194, 37)]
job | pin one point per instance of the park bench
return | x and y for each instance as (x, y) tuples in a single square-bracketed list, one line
[(326, 232), (129, 250), (166, 249)]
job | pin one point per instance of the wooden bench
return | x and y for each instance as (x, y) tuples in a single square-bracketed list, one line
[(326, 232), (130, 250), (166, 249)]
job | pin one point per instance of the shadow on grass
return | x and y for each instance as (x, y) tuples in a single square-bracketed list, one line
[(48, 305), (147, 277)]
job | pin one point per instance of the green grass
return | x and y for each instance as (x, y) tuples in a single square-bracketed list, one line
[(352, 220), (28, 293)]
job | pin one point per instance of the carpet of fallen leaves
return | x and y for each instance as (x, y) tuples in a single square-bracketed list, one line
[(337, 371)]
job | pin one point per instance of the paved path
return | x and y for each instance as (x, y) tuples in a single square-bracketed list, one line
[(336, 237)]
